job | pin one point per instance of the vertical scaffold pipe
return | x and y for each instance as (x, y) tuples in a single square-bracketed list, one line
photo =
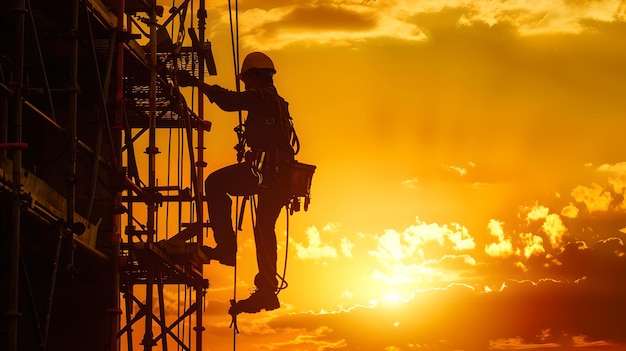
[(152, 122), (14, 274), (72, 132), (115, 311), (200, 159), (199, 328), (151, 151), (4, 123)]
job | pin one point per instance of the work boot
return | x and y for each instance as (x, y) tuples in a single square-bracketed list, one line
[(224, 255), (261, 299)]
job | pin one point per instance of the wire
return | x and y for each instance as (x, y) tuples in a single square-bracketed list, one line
[(283, 283), (234, 38)]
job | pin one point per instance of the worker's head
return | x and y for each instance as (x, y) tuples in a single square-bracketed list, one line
[(257, 70)]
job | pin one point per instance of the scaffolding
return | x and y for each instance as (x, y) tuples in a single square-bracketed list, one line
[(88, 104)]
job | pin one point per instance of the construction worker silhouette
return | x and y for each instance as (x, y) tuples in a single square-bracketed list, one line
[(264, 172)]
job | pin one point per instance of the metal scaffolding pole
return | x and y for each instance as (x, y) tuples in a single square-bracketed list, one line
[(199, 328), (72, 132), (14, 261), (151, 151), (115, 310)]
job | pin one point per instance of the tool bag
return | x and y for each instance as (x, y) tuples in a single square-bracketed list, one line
[(300, 179)]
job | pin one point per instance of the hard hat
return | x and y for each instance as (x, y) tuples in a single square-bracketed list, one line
[(257, 60)]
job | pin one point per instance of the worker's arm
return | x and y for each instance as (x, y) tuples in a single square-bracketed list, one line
[(226, 99)]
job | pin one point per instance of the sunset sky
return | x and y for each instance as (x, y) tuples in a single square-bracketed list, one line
[(471, 170)]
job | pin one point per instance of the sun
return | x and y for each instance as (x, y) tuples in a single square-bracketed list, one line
[(392, 297)]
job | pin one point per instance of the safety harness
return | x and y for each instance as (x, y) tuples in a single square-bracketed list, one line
[(271, 158)]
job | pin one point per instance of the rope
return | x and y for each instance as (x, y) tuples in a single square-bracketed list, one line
[(167, 181), (240, 147), (233, 323), (283, 283), (234, 36)]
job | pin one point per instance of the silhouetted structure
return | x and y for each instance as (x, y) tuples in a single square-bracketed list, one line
[(85, 88)]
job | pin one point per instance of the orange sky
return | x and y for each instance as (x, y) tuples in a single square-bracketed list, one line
[(470, 186)]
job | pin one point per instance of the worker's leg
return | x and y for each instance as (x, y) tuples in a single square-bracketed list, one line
[(265, 239), (270, 204), (234, 180)]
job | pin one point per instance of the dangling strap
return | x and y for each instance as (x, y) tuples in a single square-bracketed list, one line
[(233, 322)]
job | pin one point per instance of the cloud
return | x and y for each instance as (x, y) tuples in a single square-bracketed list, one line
[(522, 315), (322, 22), (391, 248), (315, 248), (555, 229), (460, 170), (503, 247), (346, 247), (276, 24), (411, 183), (582, 341), (570, 211), (594, 197), (518, 343), (316, 340), (321, 17), (541, 17), (617, 168), (410, 244), (617, 179), (533, 244), (421, 253), (538, 212), (346, 294), (456, 262)]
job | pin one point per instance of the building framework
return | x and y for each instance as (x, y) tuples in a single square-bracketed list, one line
[(101, 159)]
